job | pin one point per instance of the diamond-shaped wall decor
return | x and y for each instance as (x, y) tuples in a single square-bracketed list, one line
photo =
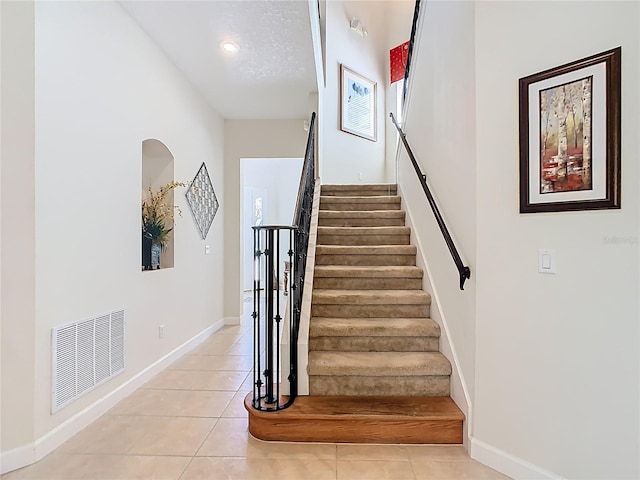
[(202, 200)]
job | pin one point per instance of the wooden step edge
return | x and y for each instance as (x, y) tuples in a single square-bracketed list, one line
[(295, 425)]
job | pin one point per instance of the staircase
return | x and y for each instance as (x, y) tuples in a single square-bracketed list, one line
[(375, 372)]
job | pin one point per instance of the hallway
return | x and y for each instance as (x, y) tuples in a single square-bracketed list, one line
[(189, 423)]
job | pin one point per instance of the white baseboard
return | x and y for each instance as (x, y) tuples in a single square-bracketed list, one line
[(508, 464), (31, 453), (232, 320)]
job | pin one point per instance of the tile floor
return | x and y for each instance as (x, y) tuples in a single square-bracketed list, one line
[(189, 423)]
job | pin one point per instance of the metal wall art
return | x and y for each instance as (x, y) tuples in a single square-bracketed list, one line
[(202, 200)]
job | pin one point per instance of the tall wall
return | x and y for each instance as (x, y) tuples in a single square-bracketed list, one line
[(441, 129), (398, 20), (557, 355), (551, 362), (17, 187), (250, 139), (345, 156), (101, 88)]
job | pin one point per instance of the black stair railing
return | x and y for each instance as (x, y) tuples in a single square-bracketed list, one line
[(463, 270), (280, 259)]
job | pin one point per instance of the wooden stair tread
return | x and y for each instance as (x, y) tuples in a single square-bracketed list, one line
[(321, 406), (356, 419)]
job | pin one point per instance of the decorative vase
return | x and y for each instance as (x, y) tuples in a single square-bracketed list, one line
[(155, 256), (146, 253)]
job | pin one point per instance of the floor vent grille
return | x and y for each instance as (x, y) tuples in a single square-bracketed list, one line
[(86, 354)]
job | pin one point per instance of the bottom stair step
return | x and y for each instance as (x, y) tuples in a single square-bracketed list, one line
[(350, 419)]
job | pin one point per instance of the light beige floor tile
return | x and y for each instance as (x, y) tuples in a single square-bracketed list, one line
[(470, 470), (112, 435), (208, 468), (236, 407), (103, 467), (304, 469), (209, 348), (452, 453), (196, 380), (238, 363), (292, 451), (247, 385), (374, 470), (244, 348), (109, 435), (180, 436), (230, 438), (179, 403), (372, 452)]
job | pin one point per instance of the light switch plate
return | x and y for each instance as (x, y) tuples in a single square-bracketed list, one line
[(547, 260), (207, 249)]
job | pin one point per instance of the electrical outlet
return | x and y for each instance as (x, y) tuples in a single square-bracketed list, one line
[(161, 331)]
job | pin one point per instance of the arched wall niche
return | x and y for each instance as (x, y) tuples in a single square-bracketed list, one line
[(157, 170)]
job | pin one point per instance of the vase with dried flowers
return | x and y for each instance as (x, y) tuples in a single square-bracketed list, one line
[(157, 223)]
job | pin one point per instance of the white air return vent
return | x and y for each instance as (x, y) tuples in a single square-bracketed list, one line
[(86, 354)]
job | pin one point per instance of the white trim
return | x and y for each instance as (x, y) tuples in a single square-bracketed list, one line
[(231, 320), (435, 301), (33, 452), (508, 464), (305, 313)]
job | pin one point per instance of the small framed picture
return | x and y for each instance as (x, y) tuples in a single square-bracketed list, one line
[(570, 136), (357, 104)]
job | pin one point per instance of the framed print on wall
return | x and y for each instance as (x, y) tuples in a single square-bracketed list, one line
[(570, 136), (357, 104)]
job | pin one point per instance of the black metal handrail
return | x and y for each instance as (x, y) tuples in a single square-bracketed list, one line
[(270, 244), (407, 67), (463, 270)]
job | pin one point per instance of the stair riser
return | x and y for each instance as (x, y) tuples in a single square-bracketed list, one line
[(374, 344), (358, 190), (369, 311), (358, 240), (367, 283), (360, 222), (351, 207), (430, 386), (366, 260)]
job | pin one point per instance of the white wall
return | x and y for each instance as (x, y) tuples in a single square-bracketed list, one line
[(554, 378), (440, 128), (557, 355), (398, 19), (249, 139), (345, 155), (17, 273), (101, 88)]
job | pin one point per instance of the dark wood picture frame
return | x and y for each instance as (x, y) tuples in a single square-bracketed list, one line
[(552, 105)]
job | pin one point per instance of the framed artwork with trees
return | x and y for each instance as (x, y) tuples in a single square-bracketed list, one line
[(570, 136)]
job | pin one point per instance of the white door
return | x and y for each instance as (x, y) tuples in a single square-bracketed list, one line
[(254, 203)]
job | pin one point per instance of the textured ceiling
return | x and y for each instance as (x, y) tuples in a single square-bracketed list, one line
[(272, 74)]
